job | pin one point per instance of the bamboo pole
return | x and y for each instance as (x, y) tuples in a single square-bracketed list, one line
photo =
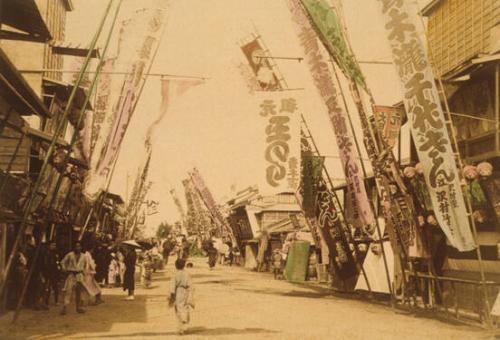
[(73, 140), (341, 210), (50, 151), (458, 159)]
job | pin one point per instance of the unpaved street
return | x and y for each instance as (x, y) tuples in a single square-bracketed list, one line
[(233, 303)]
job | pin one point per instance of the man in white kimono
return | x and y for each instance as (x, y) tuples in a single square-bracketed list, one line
[(73, 264), (181, 295)]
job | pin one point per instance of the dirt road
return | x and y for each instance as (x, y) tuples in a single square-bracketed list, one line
[(233, 303)]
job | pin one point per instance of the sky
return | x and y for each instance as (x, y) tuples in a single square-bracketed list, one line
[(212, 127)]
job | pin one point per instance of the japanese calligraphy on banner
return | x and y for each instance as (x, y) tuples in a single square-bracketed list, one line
[(428, 126), (388, 119), (323, 81), (330, 27), (334, 234), (138, 40), (208, 199), (279, 116)]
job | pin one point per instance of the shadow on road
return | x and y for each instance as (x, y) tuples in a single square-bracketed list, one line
[(48, 323), (192, 331)]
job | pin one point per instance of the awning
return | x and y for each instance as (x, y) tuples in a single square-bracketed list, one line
[(25, 16), (115, 197), (65, 48), (63, 91), (46, 137), (17, 92)]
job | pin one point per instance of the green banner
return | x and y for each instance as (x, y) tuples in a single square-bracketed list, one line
[(330, 31), (311, 175)]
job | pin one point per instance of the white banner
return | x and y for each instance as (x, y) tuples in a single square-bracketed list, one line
[(279, 118), (428, 126), (138, 40)]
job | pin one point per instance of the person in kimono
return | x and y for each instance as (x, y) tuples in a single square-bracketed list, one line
[(212, 255), (181, 295), (89, 281), (113, 270), (73, 264), (121, 265), (146, 270), (129, 276)]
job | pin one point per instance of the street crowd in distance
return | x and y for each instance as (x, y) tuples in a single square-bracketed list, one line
[(60, 277)]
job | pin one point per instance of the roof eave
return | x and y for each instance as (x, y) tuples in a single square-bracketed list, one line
[(430, 7)]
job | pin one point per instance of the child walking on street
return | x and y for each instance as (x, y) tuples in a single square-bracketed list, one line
[(181, 295)]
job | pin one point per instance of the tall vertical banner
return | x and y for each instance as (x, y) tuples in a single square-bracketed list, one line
[(138, 40), (210, 203), (279, 116), (428, 127), (330, 28), (334, 234), (323, 81)]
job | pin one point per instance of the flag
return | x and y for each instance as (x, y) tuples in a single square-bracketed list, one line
[(428, 125), (323, 81), (312, 167), (138, 41), (211, 205), (280, 148), (388, 120), (171, 89), (263, 72), (334, 234), (330, 29)]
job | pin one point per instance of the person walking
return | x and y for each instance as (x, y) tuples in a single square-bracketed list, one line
[(113, 271), (212, 255), (181, 295), (121, 265), (168, 246), (89, 278), (73, 264), (52, 272), (129, 277)]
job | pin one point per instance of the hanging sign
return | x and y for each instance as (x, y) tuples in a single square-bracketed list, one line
[(280, 131), (388, 119), (428, 126)]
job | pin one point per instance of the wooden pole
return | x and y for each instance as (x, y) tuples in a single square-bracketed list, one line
[(341, 210), (73, 140)]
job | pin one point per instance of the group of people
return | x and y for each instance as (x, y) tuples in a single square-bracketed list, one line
[(81, 271), (219, 250)]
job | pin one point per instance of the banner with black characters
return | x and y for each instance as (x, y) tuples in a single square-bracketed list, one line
[(334, 234), (428, 126)]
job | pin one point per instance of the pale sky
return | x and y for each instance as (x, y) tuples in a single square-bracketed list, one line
[(212, 127)]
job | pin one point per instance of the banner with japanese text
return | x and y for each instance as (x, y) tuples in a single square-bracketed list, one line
[(323, 80), (334, 234), (330, 27), (279, 118), (389, 120), (210, 203), (428, 125), (139, 38)]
